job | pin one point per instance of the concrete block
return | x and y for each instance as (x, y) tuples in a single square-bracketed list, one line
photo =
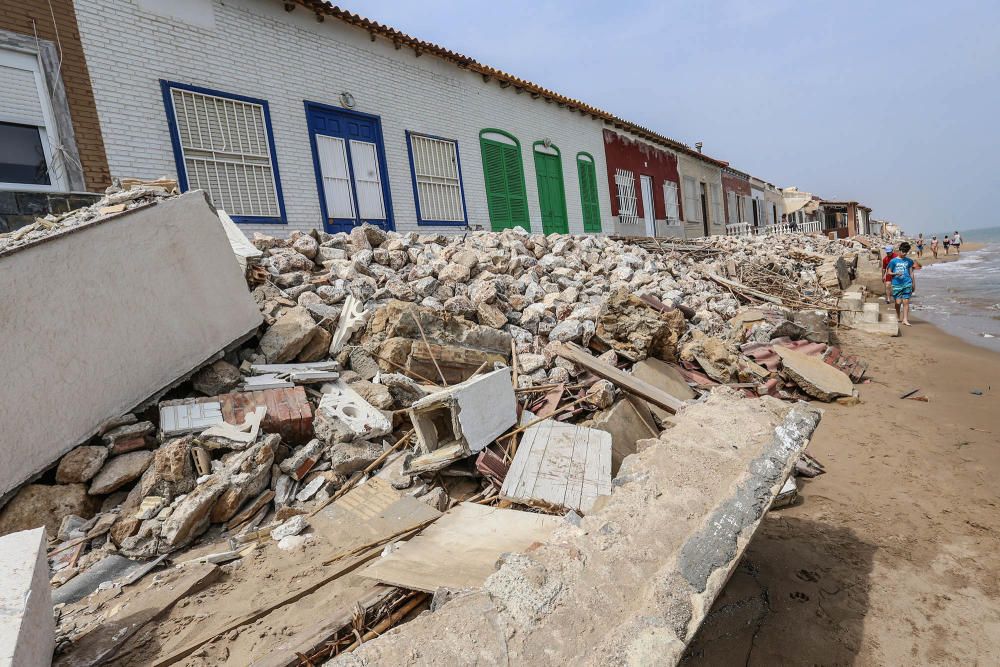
[(628, 421), (152, 294), (870, 313), (343, 415), (27, 630), (471, 414), (853, 301)]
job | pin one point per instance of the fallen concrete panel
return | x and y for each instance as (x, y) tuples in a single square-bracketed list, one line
[(118, 311), (628, 421), (461, 549), (27, 631), (814, 376), (626, 586), (560, 465), (472, 413)]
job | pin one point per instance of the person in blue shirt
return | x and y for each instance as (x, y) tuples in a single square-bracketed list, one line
[(903, 282)]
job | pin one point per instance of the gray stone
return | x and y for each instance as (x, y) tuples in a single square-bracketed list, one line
[(814, 376), (217, 378), (119, 471), (81, 464), (350, 457), (42, 505)]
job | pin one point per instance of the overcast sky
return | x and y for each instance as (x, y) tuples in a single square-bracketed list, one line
[(894, 104)]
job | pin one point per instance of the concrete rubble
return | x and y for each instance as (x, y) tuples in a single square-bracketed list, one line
[(538, 374)]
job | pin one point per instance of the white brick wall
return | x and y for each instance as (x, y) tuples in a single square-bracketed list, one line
[(258, 50)]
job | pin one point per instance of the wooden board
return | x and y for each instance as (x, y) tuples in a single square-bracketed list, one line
[(99, 645), (632, 385), (461, 548), (562, 465)]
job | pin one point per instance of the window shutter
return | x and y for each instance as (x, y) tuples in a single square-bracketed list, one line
[(517, 195), (367, 180), (588, 196), (692, 203), (337, 189), (496, 184), (716, 194), (670, 201)]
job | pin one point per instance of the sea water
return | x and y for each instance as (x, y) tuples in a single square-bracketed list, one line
[(963, 296)]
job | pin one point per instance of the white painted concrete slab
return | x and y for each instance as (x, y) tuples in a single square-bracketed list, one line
[(27, 629)]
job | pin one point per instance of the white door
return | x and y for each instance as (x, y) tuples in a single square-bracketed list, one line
[(649, 215), (336, 176)]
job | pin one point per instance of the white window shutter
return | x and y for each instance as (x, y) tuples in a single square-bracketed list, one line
[(367, 180)]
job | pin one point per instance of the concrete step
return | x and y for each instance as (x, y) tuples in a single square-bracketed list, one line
[(885, 328), (870, 313), (853, 302)]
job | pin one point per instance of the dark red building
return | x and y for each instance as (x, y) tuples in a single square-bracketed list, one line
[(640, 175), (736, 194)]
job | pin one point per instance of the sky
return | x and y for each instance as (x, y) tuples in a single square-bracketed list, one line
[(893, 104)]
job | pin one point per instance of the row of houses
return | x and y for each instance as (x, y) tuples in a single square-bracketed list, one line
[(295, 114)]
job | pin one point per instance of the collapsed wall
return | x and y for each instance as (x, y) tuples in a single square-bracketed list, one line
[(632, 583), (102, 316)]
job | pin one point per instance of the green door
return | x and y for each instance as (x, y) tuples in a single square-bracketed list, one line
[(503, 173), (551, 194), (588, 193)]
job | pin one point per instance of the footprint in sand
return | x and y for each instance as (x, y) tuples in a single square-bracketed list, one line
[(799, 596), (807, 575)]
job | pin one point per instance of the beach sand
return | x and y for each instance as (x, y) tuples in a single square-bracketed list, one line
[(891, 558)]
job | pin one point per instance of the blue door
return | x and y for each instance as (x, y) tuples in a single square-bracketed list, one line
[(349, 158)]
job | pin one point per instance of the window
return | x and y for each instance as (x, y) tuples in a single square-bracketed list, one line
[(27, 131), (716, 191), (506, 197), (670, 201), (223, 145), (437, 180), (589, 199), (692, 200), (627, 211), (731, 205)]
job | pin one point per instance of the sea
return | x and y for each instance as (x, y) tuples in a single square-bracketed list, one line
[(963, 296)]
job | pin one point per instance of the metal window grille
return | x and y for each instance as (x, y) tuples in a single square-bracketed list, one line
[(439, 187), (628, 213), (670, 200), (227, 152)]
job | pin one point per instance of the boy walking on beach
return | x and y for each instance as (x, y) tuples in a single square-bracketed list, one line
[(886, 278), (903, 282)]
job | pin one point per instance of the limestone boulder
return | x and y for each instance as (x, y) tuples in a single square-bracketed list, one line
[(190, 516), (43, 505), (814, 376), (171, 473), (81, 464), (119, 471), (350, 457), (636, 330), (284, 340), (248, 473)]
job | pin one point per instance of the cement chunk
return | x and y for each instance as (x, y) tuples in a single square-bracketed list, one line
[(816, 377), (27, 630)]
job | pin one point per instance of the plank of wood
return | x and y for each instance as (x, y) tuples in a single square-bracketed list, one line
[(628, 383), (461, 548), (561, 465), (103, 642), (309, 640)]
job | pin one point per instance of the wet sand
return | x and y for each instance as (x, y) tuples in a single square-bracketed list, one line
[(891, 558)]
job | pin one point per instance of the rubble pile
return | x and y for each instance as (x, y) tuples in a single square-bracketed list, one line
[(430, 362)]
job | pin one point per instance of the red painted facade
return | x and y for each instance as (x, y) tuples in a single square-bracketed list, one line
[(733, 183), (621, 152)]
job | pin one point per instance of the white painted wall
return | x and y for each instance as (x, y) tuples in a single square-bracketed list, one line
[(27, 629), (708, 173), (255, 48)]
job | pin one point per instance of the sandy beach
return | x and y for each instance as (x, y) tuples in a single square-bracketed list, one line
[(890, 557)]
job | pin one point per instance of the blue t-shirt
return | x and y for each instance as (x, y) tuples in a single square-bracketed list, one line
[(899, 268)]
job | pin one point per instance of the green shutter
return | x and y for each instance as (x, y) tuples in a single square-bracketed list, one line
[(516, 192), (551, 194), (504, 178), (588, 196)]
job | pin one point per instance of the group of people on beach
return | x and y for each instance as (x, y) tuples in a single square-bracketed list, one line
[(954, 241)]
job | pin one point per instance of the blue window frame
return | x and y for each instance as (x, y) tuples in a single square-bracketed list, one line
[(224, 144), (351, 175), (436, 173)]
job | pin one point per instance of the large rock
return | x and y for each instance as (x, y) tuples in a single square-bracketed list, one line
[(288, 335), (814, 376), (317, 347), (119, 471), (248, 473), (190, 517), (41, 505), (217, 378), (350, 457), (172, 473), (637, 330), (81, 464)]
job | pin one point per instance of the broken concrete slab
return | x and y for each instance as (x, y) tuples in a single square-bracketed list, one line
[(663, 376), (172, 251), (639, 585), (343, 415), (814, 376), (472, 414), (81, 464), (27, 631), (628, 421), (460, 550), (560, 465)]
